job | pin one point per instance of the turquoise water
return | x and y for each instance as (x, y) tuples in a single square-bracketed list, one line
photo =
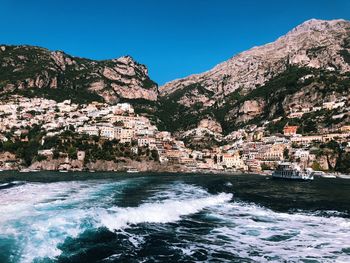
[(55, 217)]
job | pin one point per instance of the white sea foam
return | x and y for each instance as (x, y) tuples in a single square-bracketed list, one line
[(159, 212), (41, 216), (277, 237)]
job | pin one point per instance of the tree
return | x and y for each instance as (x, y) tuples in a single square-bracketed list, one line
[(10, 146), (154, 154), (40, 158), (309, 126), (316, 166), (56, 154), (71, 128), (343, 163), (20, 152), (30, 151), (333, 145), (286, 153), (264, 166), (72, 153), (51, 142)]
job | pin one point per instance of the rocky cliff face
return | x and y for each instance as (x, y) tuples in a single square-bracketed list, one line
[(27, 67), (211, 125), (315, 44), (265, 81)]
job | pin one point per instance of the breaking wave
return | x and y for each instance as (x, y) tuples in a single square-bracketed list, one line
[(160, 212), (39, 217), (260, 234)]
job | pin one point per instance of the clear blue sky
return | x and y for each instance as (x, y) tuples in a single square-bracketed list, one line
[(174, 38)]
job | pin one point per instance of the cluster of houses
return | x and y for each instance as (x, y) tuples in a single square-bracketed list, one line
[(246, 150), (336, 103), (342, 135)]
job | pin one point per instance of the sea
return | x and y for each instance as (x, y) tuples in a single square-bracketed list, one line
[(164, 217)]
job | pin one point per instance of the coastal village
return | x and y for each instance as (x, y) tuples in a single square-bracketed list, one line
[(250, 149)]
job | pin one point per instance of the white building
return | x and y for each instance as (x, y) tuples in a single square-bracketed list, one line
[(301, 154), (124, 135), (90, 130), (107, 132), (146, 141), (232, 161)]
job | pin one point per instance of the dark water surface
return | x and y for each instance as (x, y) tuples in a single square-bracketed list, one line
[(106, 217)]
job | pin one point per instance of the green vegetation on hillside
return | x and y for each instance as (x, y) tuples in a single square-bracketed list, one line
[(96, 148), (174, 116), (80, 96), (346, 55)]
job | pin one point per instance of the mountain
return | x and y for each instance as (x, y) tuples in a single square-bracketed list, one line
[(37, 71), (300, 70), (304, 67), (315, 44)]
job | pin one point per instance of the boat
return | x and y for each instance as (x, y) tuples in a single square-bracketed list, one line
[(132, 170), (328, 175), (24, 170), (344, 176), (292, 171), (319, 173), (63, 171)]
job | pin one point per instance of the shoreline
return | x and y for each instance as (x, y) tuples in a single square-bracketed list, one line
[(171, 170), (7, 176)]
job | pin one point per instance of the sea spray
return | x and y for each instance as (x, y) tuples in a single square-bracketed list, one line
[(159, 212)]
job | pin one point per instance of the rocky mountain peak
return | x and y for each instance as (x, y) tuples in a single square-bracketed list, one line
[(131, 62), (314, 44), (61, 59), (320, 25), (126, 59), (29, 67)]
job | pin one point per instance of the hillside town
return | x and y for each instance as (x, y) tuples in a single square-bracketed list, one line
[(250, 149)]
